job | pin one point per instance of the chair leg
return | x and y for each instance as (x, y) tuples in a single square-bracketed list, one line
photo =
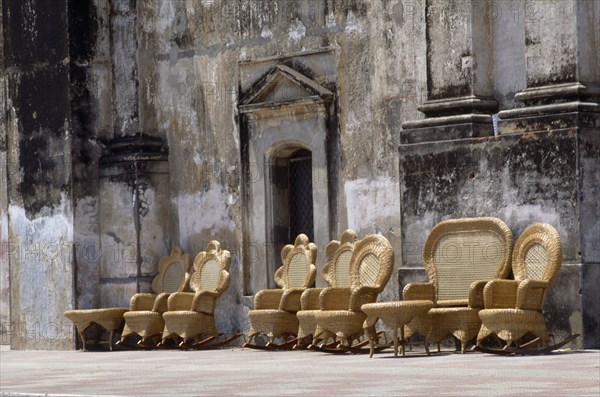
[(110, 339), (395, 338)]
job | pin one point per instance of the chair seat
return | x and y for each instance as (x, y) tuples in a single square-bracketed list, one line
[(273, 322), (512, 324), (307, 320), (345, 324), (145, 323), (462, 322), (188, 324)]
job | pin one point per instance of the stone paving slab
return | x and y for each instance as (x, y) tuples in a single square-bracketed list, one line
[(246, 372)]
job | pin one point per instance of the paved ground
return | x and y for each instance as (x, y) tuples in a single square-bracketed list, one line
[(245, 372)]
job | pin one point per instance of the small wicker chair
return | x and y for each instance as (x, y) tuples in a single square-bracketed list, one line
[(190, 315), (341, 316), (459, 256), (275, 310), (513, 308), (144, 317), (336, 274)]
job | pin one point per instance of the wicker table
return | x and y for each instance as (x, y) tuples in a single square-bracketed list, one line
[(395, 315), (109, 318)]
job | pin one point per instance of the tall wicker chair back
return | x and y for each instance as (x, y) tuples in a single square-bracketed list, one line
[(173, 272), (191, 314), (341, 316), (336, 273), (145, 315), (459, 256), (275, 310), (462, 251), (513, 308)]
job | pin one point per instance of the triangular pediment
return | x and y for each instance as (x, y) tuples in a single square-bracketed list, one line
[(284, 85)]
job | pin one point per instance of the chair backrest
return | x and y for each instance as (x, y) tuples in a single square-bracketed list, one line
[(336, 271), (173, 272), (372, 262), (298, 269), (537, 254), (461, 251), (211, 269)]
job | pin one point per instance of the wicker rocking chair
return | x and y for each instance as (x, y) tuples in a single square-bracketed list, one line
[(513, 308), (275, 310), (460, 256), (341, 317), (336, 274), (145, 315), (191, 314)]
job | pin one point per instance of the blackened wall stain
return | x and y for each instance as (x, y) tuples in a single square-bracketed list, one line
[(42, 109), (35, 32), (83, 37)]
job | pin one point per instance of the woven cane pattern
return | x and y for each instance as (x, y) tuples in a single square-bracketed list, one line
[(461, 251), (173, 276), (369, 270), (173, 272), (207, 278), (462, 258), (535, 262), (297, 270)]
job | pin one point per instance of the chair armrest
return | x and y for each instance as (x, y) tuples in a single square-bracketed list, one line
[(335, 298), (476, 294), (142, 301), (267, 299), (531, 294), (499, 294), (290, 300), (161, 303), (204, 302), (180, 301), (419, 291), (362, 295), (310, 299)]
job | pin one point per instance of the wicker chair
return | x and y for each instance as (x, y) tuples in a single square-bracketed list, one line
[(190, 315), (459, 256), (513, 308), (275, 310), (341, 316), (144, 317), (336, 274)]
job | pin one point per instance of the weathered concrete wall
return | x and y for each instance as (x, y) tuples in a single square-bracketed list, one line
[(4, 269), (189, 90), (39, 174)]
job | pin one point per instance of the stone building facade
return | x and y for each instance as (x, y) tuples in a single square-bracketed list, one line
[(128, 127)]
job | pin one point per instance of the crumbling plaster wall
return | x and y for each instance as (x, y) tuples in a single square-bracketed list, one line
[(189, 91)]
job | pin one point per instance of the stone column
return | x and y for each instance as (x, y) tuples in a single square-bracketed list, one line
[(562, 41), (459, 74)]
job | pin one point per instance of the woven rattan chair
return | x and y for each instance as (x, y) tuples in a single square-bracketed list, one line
[(190, 315), (336, 273), (459, 256), (275, 310), (513, 308), (341, 316), (145, 315)]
